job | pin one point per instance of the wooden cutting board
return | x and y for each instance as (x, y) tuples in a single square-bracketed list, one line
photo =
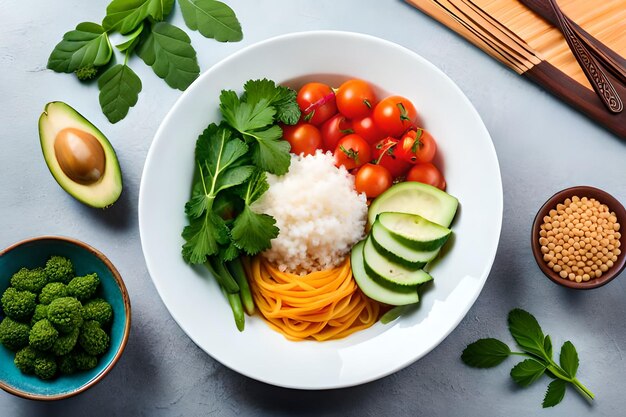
[(518, 37)]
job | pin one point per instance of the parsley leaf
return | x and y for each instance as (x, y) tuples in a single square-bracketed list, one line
[(251, 116), (485, 353), (125, 15), (212, 18), (252, 232), (555, 393), (283, 99), (203, 236), (167, 49), (547, 346), (119, 90), (87, 45), (527, 372), (569, 359)]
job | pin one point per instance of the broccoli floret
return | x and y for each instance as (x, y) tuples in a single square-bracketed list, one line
[(13, 334), (86, 73), (93, 339), (65, 314), (45, 366), (43, 335), (52, 291), (59, 269), (84, 361), (25, 359), (65, 343), (32, 280), (83, 288), (67, 364), (19, 305), (41, 312), (98, 310)]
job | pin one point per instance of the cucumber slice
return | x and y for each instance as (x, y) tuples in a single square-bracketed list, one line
[(373, 289), (416, 198), (395, 251), (414, 231), (390, 273)]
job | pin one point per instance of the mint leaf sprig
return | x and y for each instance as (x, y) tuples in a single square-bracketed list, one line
[(537, 347), (166, 48)]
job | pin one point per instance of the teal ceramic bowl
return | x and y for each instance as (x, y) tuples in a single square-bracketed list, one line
[(34, 252)]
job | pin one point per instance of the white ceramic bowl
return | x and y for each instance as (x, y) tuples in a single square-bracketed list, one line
[(469, 163)]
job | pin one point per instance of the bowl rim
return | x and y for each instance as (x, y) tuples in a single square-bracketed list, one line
[(585, 191), (127, 322)]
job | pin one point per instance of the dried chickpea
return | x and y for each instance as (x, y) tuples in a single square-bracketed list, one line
[(580, 239)]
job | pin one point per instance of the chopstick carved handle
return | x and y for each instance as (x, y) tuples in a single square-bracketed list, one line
[(590, 66)]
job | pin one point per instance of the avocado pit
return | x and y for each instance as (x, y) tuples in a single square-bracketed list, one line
[(80, 155)]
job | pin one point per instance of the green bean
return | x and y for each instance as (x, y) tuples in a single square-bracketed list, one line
[(236, 269), (235, 304), (222, 276)]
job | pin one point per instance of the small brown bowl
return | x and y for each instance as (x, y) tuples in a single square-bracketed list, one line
[(590, 192)]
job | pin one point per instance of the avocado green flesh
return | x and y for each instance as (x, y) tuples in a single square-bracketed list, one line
[(102, 193)]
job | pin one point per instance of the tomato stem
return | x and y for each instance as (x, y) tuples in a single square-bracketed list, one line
[(403, 112)]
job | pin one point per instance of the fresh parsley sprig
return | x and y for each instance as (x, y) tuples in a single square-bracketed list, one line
[(87, 51), (487, 353), (231, 164)]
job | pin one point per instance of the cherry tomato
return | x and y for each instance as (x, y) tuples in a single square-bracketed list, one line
[(303, 138), (428, 174), (352, 151), (372, 180), (333, 130), (355, 99), (417, 146), (387, 148), (367, 129), (317, 103), (394, 115)]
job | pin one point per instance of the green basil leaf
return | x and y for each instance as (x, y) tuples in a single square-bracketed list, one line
[(527, 372), (485, 353), (125, 15), (211, 18), (167, 49), (119, 90), (526, 331), (131, 40), (555, 393), (569, 359), (87, 45)]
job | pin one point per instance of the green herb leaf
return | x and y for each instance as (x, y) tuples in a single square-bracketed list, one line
[(202, 237), (87, 45), (485, 353), (131, 40), (569, 359), (125, 15), (526, 332), (211, 18), (253, 232), (167, 49), (119, 90), (230, 252), (234, 176), (283, 99), (527, 372), (555, 393), (270, 152), (547, 346)]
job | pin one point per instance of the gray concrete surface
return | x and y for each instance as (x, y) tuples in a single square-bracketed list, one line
[(542, 145)]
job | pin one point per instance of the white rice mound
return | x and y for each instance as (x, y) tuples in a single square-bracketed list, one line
[(319, 213)]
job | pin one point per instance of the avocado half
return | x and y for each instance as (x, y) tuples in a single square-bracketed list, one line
[(79, 156)]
